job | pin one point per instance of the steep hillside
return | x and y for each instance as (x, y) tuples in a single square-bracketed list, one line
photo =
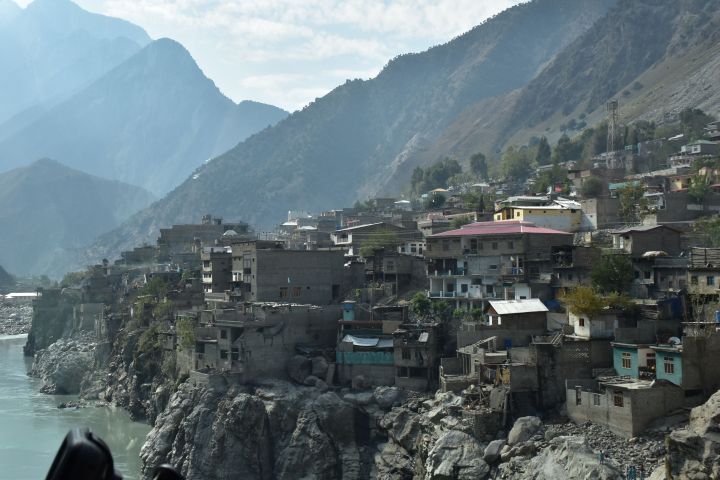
[(46, 208), (353, 141), (52, 48), (150, 122), (654, 56)]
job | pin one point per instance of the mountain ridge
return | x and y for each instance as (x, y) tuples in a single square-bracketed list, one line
[(47, 209), (149, 121)]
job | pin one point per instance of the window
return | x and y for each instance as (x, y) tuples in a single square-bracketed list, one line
[(406, 354), (473, 245), (223, 354), (626, 360), (283, 292), (445, 245), (296, 292), (223, 333), (647, 275), (493, 267), (596, 399), (581, 322), (517, 214), (490, 289), (618, 398), (235, 353), (494, 245), (464, 287), (693, 280), (511, 244), (669, 364), (710, 280)]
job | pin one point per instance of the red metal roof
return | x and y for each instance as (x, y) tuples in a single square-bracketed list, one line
[(499, 227)]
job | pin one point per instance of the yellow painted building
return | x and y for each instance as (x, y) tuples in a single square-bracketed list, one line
[(557, 217)]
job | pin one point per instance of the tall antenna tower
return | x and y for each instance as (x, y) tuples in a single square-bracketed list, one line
[(612, 112)]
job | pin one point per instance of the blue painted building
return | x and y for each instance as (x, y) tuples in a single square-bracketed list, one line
[(669, 364), (632, 360)]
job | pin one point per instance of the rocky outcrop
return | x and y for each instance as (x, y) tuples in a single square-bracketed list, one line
[(694, 451), (275, 430), (456, 455), (565, 457), (62, 365), (523, 429)]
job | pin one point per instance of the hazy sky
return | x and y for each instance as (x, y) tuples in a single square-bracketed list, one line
[(288, 52)]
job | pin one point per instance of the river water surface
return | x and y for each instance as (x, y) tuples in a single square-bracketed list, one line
[(32, 427)]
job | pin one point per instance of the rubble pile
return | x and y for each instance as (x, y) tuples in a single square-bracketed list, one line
[(15, 319)]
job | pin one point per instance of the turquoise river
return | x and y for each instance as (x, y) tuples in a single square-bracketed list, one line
[(32, 427)]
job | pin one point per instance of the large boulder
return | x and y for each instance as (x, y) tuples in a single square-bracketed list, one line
[(319, 367), (386, 397), (523, 429), (565, 457), (492, 451), (456, 455), (299, 368)]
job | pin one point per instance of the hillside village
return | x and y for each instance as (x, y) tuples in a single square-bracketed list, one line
[(563, 303)]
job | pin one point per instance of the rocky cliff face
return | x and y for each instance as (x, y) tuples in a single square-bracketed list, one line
[(694, 451), (62, 365)]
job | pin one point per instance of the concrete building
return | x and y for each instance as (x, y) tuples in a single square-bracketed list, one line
[(625, 406), (636, 241), (216, 269), (492, 260), (184, 238), (633, 360), (263, 271), (600, 213), (353, 238), (564, 215), (513, 323), (686, 363), (572, 265), (255, 341), (703, 273), (416, 356)]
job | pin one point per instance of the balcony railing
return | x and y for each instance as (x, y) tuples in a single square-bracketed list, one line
[(469, 295), (449, 272)]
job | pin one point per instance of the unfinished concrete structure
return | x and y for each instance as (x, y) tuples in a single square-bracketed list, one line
[(256, 340), (216, 269), (264, 271), (625, 406), (416, 356)]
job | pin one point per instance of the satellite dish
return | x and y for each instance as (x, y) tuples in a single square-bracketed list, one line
[(674, 341)]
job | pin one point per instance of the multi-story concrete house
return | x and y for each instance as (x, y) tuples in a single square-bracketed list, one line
[(263, 271), (216, 269), (492, 260)]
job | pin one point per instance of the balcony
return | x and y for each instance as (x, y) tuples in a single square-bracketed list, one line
[(450, 272), (471, 295)]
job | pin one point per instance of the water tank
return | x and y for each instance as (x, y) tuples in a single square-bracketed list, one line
[(348, 310)]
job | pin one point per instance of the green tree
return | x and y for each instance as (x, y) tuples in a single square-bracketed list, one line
[(458, 222), (421, 306), (515, 163), (693, 122), (478, 165), (632, 202), (564, 150), (612, 273), (592, 187), (543, 153), (699, 187), (185, 328), (72, 279), (709, 230), (436, 200), (582, 301)]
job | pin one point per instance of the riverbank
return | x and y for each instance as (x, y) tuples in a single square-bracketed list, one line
[(33, 426), (15, 319)]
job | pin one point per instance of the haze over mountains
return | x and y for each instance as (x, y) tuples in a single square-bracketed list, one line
[(150, 121), (53, 48), (53, 208)]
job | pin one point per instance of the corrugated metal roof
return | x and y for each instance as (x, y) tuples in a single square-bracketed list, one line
[(368, 342), (508, 307)]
